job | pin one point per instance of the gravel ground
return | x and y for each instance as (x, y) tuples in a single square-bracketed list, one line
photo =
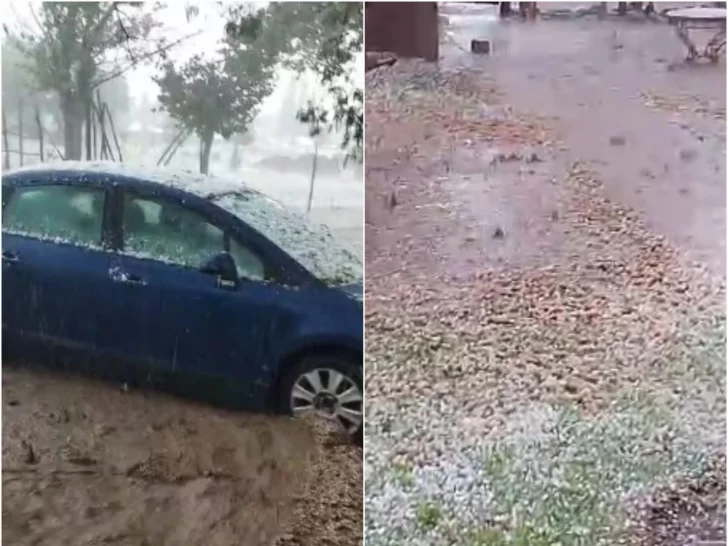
[(545, 343), (86, 463)]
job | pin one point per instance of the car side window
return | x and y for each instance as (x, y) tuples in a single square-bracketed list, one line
[(169, 232), (249, 264), (62, 213)]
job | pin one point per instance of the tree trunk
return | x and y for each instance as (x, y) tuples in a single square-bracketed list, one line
[(205, 149), (91, 148), (73, 119), (6, 155), (40, 134), (235, 158), (313, 177), (21, 136)]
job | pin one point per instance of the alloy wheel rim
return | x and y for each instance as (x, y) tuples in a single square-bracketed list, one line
[(331, 395)]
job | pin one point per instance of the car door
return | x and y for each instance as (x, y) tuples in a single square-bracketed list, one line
[(192, 323), (54, 262)]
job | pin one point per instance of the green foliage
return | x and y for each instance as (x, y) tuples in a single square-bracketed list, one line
[(17, 82), (219, 96), (21, 89), (566, 486), (324, 37), (75, 47), (69, 51), (428, 515), (403, 475)]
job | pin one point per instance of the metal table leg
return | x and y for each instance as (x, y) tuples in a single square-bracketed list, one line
[(716, 45), (712, 49), (681, 30)]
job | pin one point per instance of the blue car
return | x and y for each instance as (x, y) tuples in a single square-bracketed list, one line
[(181, 281)]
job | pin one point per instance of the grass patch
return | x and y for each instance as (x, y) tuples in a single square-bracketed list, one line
[(403, 475), (428, 515), (567, 485)]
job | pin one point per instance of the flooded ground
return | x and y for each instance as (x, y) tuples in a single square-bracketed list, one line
[(86, 462), (613, 96), (545, 250), (652, 128)]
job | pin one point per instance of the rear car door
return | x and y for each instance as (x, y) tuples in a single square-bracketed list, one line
[(54, 262), (193, 324)]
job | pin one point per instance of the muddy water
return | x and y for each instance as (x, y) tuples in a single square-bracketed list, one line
[(86, 463), (651, 127)]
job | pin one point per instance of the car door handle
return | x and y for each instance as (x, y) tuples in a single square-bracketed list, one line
[(10, 257), (117, 275), (132, 279)]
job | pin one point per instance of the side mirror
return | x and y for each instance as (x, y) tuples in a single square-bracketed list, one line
[(223, 266)]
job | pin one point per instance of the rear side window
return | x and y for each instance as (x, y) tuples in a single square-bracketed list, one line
[(60, 213)]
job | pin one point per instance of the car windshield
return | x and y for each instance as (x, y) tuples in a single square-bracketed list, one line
[(311, 245)]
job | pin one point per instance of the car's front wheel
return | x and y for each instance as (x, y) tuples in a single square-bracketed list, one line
[(330, 386)]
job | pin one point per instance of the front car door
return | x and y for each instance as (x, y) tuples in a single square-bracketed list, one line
[(55, 262), (193, 324)]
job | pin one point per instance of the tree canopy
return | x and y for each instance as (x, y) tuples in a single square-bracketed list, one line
[(22, 91), (76, 47), (324, 37), (220, 95)]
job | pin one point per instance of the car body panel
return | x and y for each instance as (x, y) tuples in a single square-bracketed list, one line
[(52, 286), (335, 325)]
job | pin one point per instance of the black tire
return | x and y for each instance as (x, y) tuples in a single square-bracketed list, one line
[(342, 364)]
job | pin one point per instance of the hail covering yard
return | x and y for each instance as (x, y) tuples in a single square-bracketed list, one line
[(545, 301)]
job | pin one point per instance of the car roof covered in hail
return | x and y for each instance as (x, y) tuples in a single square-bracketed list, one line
[(198, 184), (313, 248)]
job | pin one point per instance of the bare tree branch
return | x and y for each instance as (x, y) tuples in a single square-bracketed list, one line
[(119, 72), (126, 35)]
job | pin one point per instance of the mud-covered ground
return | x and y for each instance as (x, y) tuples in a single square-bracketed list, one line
[(86, 462), (545, 258)]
